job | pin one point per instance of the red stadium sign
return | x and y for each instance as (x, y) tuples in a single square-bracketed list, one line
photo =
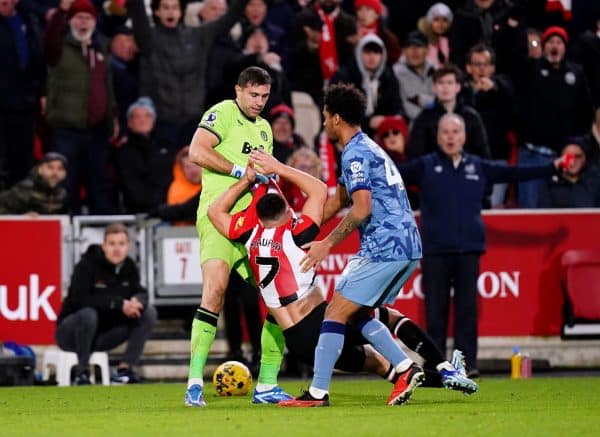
[(519, 281), (30, 283)]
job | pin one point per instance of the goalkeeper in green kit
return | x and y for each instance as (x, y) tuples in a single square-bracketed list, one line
[(226, 135)]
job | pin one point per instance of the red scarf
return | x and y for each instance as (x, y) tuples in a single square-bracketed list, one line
[(327, 48), (328, 164)]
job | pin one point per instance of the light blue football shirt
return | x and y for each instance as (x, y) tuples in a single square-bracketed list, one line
[(390, 232)]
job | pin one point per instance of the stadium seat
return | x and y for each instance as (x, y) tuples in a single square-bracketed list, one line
[(308, 116), (63, 362), (580, 270)]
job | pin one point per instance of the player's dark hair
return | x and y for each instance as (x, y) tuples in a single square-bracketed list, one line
[(482, 48), (446, 70), (347, 101), (254, 76), (270, 206)]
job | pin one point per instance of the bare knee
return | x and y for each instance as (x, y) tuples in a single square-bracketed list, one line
[(215, 274)]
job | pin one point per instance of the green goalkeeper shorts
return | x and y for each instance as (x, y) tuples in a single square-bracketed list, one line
[(213, 245)]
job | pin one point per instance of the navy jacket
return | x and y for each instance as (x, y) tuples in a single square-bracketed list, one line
[(451, 198)]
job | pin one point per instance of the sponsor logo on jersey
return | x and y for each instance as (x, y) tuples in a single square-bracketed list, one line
[(247, 147), (239, 223)]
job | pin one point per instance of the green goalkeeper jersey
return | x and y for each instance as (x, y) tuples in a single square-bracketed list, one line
[(238, 136)]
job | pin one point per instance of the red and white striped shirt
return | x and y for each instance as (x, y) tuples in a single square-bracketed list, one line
[(275, 254)]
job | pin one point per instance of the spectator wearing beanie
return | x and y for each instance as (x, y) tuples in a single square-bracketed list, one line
[(80, 108), (414, 73), (369, 20), (555, 104), (285, 141), (41, 192), (144, 163), (435, 25)]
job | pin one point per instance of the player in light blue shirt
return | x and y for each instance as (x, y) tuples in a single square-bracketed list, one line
[(390, 232), (390, 248)]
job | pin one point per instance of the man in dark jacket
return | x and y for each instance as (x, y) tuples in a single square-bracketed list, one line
[(452, 187), (21, 81), (423, 133), (41, 192), (145, 165), (105, 307), (173, 65)]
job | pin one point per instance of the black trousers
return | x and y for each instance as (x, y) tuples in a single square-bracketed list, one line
[(16, 146), (441, 273), (78, 332)]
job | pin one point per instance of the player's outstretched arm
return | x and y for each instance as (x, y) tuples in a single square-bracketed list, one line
[(218, 211), (202, 153), (315, 190)]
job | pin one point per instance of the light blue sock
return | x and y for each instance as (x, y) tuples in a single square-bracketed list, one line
[(327, 352), (380, 337)]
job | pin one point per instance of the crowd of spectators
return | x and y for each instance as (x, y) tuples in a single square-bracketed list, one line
[(115, 89)]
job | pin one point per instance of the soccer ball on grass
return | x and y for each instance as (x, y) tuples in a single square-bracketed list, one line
[(232, 378)]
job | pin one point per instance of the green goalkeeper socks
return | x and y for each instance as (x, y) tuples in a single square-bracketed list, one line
[(272, 344), (204, 329)]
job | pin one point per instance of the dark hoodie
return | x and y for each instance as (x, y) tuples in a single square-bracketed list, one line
[(99, 284)]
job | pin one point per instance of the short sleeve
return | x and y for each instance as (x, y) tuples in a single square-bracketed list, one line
[(356, 172), (240, 227), (304, 230), (216, 120)]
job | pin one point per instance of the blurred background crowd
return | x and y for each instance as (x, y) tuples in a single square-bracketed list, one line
[(99, 99)]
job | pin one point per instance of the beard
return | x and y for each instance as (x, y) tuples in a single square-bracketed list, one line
[(82, 36)]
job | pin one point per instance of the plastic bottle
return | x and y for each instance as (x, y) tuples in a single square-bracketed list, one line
[(526, 366), (515, 364)]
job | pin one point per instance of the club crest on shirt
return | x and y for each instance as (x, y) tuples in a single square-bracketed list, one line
[(264, 135), (570, 78), (469, 168)]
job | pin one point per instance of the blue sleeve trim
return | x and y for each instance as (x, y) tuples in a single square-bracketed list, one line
[(333, 327)]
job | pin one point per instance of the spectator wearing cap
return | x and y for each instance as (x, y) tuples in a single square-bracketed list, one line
[(125, 70), (576, 186), (490, 22), (81, 108), (22, 71), (369, 20), (173, 64), (413, 71), (41, 191), (285, 141), (369, 72), (144, 164), (555, 104), (493, 96), (447, 82), (322, 39), (435, 24)]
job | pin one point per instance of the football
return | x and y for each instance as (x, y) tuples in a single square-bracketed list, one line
[(232, 378)]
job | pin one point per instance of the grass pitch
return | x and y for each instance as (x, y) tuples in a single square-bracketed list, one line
[(537, 406)]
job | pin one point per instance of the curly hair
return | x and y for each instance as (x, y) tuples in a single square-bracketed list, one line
[(347, 101)]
